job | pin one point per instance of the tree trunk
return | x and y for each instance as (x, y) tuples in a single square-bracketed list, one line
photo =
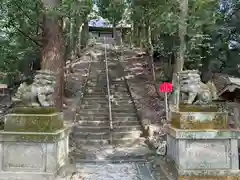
[(53, 49), (84, 35), (114, 31), (182, 34), (150, 51), (66, 30), (205, 60), (75, 34)]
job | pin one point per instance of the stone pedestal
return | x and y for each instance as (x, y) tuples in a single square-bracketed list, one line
[(204, 154), (28, 155), (200, 145)]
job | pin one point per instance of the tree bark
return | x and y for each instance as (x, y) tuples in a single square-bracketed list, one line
[(114, 31), (205, 60), (53, 49), (150, 51), (84, 34), (182, 34), (75, 34)]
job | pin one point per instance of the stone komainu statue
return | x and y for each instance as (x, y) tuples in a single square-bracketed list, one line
[(38, 94), (193, 91)]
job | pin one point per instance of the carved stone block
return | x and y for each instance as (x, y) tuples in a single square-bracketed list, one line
[(39, 156), (199, 120), (196, 152)]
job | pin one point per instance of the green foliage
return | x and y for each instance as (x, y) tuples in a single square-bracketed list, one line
[(21, 32), (209, 32), (112, 9), (19, 24)]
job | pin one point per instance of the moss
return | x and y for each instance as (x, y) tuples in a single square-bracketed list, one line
[(198, 108), (34, 110), (33, 122), (188, 121), (35, 137)]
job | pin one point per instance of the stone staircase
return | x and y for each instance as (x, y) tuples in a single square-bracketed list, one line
[(95, 141)]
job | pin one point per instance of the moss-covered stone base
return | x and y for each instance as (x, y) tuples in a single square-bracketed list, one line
[(40, 137), (198, 108), (199, 120), (33, 120), (208, 178)]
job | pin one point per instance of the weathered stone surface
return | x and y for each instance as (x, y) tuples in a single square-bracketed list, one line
[(40, 93), (25, 176), (34, 136), (32, 160), (199, 120), (188, 87), (202, 153), (203, 134), (208, 178), (29, 156), (33, 122)]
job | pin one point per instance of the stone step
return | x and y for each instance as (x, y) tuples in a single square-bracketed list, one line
[(116, 80), (125, 128), (121, 96), (87, 112), (123, 141), (105, 118), (106, 110), (92, 142), (97, 129), (95, 96), (105, 99), (95, 91), (94, 129), (134, 134), (106, 123), (105, 135), (105, 105), (81, 158), (95, 101), (97, 86), (118, 88), (91, 135), (112, 85), (124, 114)]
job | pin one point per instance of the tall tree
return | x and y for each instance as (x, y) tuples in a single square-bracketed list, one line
[(53, 46), (182, 34), (112, 10)]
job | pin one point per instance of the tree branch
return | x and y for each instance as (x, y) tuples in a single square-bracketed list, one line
[(24, 34), (25, 14)]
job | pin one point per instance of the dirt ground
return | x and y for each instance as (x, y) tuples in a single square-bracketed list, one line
[(150, 102)]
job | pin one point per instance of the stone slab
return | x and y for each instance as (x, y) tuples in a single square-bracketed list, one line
[(208, 178), (199, 120), (33, 122), (119, 171), (26, 176), (33, 159), (203, 134), (203, 154), (6, 136), (168, 171)]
